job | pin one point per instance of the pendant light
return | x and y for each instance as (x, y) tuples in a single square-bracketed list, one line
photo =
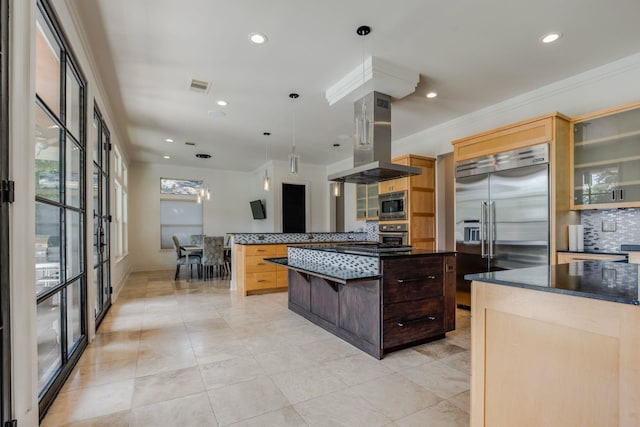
[(363, 124), (266, 182), (337, 189), (294, 159), (203, 194)]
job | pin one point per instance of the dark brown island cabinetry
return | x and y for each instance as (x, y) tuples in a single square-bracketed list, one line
[(411, 303)]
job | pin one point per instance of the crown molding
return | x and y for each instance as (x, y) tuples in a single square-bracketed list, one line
[(376, 75)]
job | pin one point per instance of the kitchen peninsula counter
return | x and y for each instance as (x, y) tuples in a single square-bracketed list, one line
[(379, 302), (554, 332)]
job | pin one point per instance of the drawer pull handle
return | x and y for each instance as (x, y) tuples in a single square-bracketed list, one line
[(262, 263), (261, 281), (416, 279), (406, 322)]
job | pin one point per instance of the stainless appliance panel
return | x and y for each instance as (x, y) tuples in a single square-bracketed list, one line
[(393, 234), (519, 217), (392, 206), (472, 194)]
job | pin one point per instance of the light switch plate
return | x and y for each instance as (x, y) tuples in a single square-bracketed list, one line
[(608, 225)]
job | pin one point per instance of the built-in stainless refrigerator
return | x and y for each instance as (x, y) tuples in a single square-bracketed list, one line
[(502, 214)]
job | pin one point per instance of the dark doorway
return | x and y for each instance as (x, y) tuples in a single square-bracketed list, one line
[(5, 326), (294, 214)]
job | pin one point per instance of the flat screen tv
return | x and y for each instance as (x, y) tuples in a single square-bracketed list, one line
[(257, 209)]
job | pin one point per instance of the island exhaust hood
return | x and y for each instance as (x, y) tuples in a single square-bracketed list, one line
[(372, 145)]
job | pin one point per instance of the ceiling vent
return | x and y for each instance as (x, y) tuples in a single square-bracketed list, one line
[(199, 86), (192, 144), (203, 156)]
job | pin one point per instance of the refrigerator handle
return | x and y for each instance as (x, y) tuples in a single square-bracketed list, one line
[(492, 228), (483, 225)]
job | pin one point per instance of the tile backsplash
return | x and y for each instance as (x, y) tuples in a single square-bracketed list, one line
[(625, 221)]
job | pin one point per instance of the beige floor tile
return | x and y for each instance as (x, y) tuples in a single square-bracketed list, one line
[(246, 400), (405, 359), (206, 325), (439, 349), (462, 401), (189, 411), (444, 414), (231, 371), (166, 386), (357, 369), (328, 348), (395, 396), (438, 378), (119, 419), (306, 384), (284, 361), (460, 361), (285, 417), (81, 404), (159, 363), (219, 350), (100, 373), (340, 410)]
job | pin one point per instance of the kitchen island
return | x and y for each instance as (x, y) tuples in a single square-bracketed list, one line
[(556, 346), (377, 301)]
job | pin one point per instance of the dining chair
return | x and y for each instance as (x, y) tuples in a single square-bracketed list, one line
[(197, 239), (194, 259), (213, 255)]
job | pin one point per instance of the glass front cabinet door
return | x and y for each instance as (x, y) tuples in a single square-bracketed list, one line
[(606, 159)]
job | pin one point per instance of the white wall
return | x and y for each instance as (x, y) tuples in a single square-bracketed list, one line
[(349, 194), (610, 85), (227, 211)]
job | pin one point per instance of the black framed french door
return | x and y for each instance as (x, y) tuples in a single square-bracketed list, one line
[(7, 197), (101, 217)]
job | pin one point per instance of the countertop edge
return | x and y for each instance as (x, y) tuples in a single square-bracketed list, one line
[(323, 276)]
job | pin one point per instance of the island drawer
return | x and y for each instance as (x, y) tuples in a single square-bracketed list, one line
[(412, 279), (257, 264), (412, 321), (261, 280), (264, 250)]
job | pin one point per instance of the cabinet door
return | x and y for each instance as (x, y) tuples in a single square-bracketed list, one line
[(361, 202), (372, 201), (606, 161)]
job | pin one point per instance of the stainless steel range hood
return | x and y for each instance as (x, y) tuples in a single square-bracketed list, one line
[(372, 146)]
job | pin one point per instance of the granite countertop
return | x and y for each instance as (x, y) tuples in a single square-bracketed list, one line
[(622, 252), (345, 249), (608, 281), (327, 271), (309, 242)]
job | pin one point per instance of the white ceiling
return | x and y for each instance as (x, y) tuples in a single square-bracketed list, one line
[(473, 53)]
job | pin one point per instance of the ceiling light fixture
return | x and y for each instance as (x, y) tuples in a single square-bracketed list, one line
[(203, 194), (363, 125), (294, 159), (166, 157), (169, 140), (203, 156), (266, 182), (550, 37), (258, 38), (222, 103), (337, 189), (432, 94)]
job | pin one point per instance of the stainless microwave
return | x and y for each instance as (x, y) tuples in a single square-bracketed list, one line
[(393, 206)]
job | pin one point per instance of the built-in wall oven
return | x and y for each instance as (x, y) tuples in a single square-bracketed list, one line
[(393, 206), (393, 234)]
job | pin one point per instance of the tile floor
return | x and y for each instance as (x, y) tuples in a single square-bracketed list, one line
[(194, 354)]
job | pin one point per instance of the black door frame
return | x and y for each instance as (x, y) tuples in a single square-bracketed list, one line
[(6, 409)]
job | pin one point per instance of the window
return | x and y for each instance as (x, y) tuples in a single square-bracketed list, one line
[(180, 186), (180, 218), (120, 205)]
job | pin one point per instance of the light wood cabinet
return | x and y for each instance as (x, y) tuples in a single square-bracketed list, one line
[(546, 359), (394, 185), (253, 273), (366, 202), (553, 129), (606, 159), (567, 257)]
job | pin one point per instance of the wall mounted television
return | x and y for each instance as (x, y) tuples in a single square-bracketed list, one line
[(257, 209)]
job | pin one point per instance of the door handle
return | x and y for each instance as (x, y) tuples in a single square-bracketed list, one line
[(613, 195), (483, 224), (622, 194), (492, 228)]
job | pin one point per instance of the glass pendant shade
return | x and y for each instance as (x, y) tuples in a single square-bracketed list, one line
[(294, 160), (266, 181), (336, 189)]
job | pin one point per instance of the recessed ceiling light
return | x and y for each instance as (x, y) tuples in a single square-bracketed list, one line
[(216, 114), (166, 157), (432, 94), (550, 37), (258, 38), (222, 103), (169, 140)]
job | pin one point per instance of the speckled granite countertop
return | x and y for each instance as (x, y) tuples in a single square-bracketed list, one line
[(327, 271), (608, 281)]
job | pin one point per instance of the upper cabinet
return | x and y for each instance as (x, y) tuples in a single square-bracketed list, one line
[(605, 161), (366, 202), (398, 184)]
